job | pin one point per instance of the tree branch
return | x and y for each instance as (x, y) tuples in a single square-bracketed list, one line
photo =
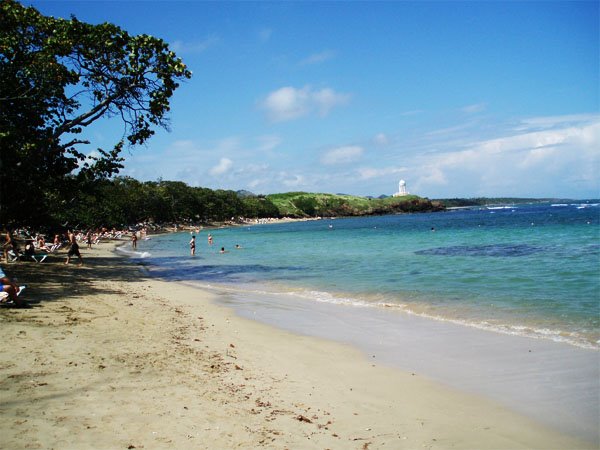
[(93, 114), (75, 142)]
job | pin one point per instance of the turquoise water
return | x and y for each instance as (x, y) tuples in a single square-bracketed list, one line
[(530, 270)]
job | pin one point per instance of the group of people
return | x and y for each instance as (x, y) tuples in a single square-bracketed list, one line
[(36, 248), (192, 244)]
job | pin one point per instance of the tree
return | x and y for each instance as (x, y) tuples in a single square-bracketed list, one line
[(307, 204), (258, 207), (59, 76)]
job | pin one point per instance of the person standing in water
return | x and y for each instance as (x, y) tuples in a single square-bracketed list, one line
[(193, 245)]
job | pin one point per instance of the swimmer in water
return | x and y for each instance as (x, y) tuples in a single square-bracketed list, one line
[(193, 245)]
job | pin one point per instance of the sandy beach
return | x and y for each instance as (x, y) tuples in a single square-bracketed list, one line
[(109, 358)]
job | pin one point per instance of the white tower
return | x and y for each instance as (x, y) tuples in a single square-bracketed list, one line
[(401, 189)]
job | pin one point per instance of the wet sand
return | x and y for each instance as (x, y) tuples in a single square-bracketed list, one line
[(108, 358), (554, 383)]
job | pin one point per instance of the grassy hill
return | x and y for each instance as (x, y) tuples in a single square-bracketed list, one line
[(304, 204)]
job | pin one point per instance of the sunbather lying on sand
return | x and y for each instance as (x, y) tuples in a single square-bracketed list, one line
[(9, 292)]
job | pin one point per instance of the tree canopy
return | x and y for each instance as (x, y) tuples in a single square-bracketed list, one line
[(59, 76), (123, 201)]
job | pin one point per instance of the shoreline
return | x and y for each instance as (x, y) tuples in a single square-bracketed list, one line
[(545, 380), (521, 329), (109, 358)]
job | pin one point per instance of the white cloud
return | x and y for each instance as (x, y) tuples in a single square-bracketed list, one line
[(520, 163), (342, 155), (268, 142), (267, 179), (472, 109), (367, 173), (292, 181), (228, 144), (184, 145), (538, 157), (326, 99), (432, 176), (317, 58), (182, 47), (449, 131), (221, 168), (257, 183), (90, 158), (544, 123), (288, 103), (252, 169), (189, 151), (381, 139)]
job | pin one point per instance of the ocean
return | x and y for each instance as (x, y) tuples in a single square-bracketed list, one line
[(525, 270)]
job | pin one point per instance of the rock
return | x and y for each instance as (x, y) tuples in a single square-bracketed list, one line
[(302, 418)]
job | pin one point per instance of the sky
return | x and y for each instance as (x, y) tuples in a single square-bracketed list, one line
[(459, 99)]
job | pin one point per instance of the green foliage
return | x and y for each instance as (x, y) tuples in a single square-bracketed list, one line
[(302, 204), (259, 207), (57, 77), (124, 201), (307, 204)]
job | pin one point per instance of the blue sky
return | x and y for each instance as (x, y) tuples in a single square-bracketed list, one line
[(460, 99)]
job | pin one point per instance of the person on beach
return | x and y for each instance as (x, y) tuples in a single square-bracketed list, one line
[(193, 245), (56, 244), (12, 290), (134, 240), (74, 250), (40, 244), (88, 239), (8, 245), (30, 250)]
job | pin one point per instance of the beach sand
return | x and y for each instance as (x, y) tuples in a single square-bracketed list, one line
[(109, 358)]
